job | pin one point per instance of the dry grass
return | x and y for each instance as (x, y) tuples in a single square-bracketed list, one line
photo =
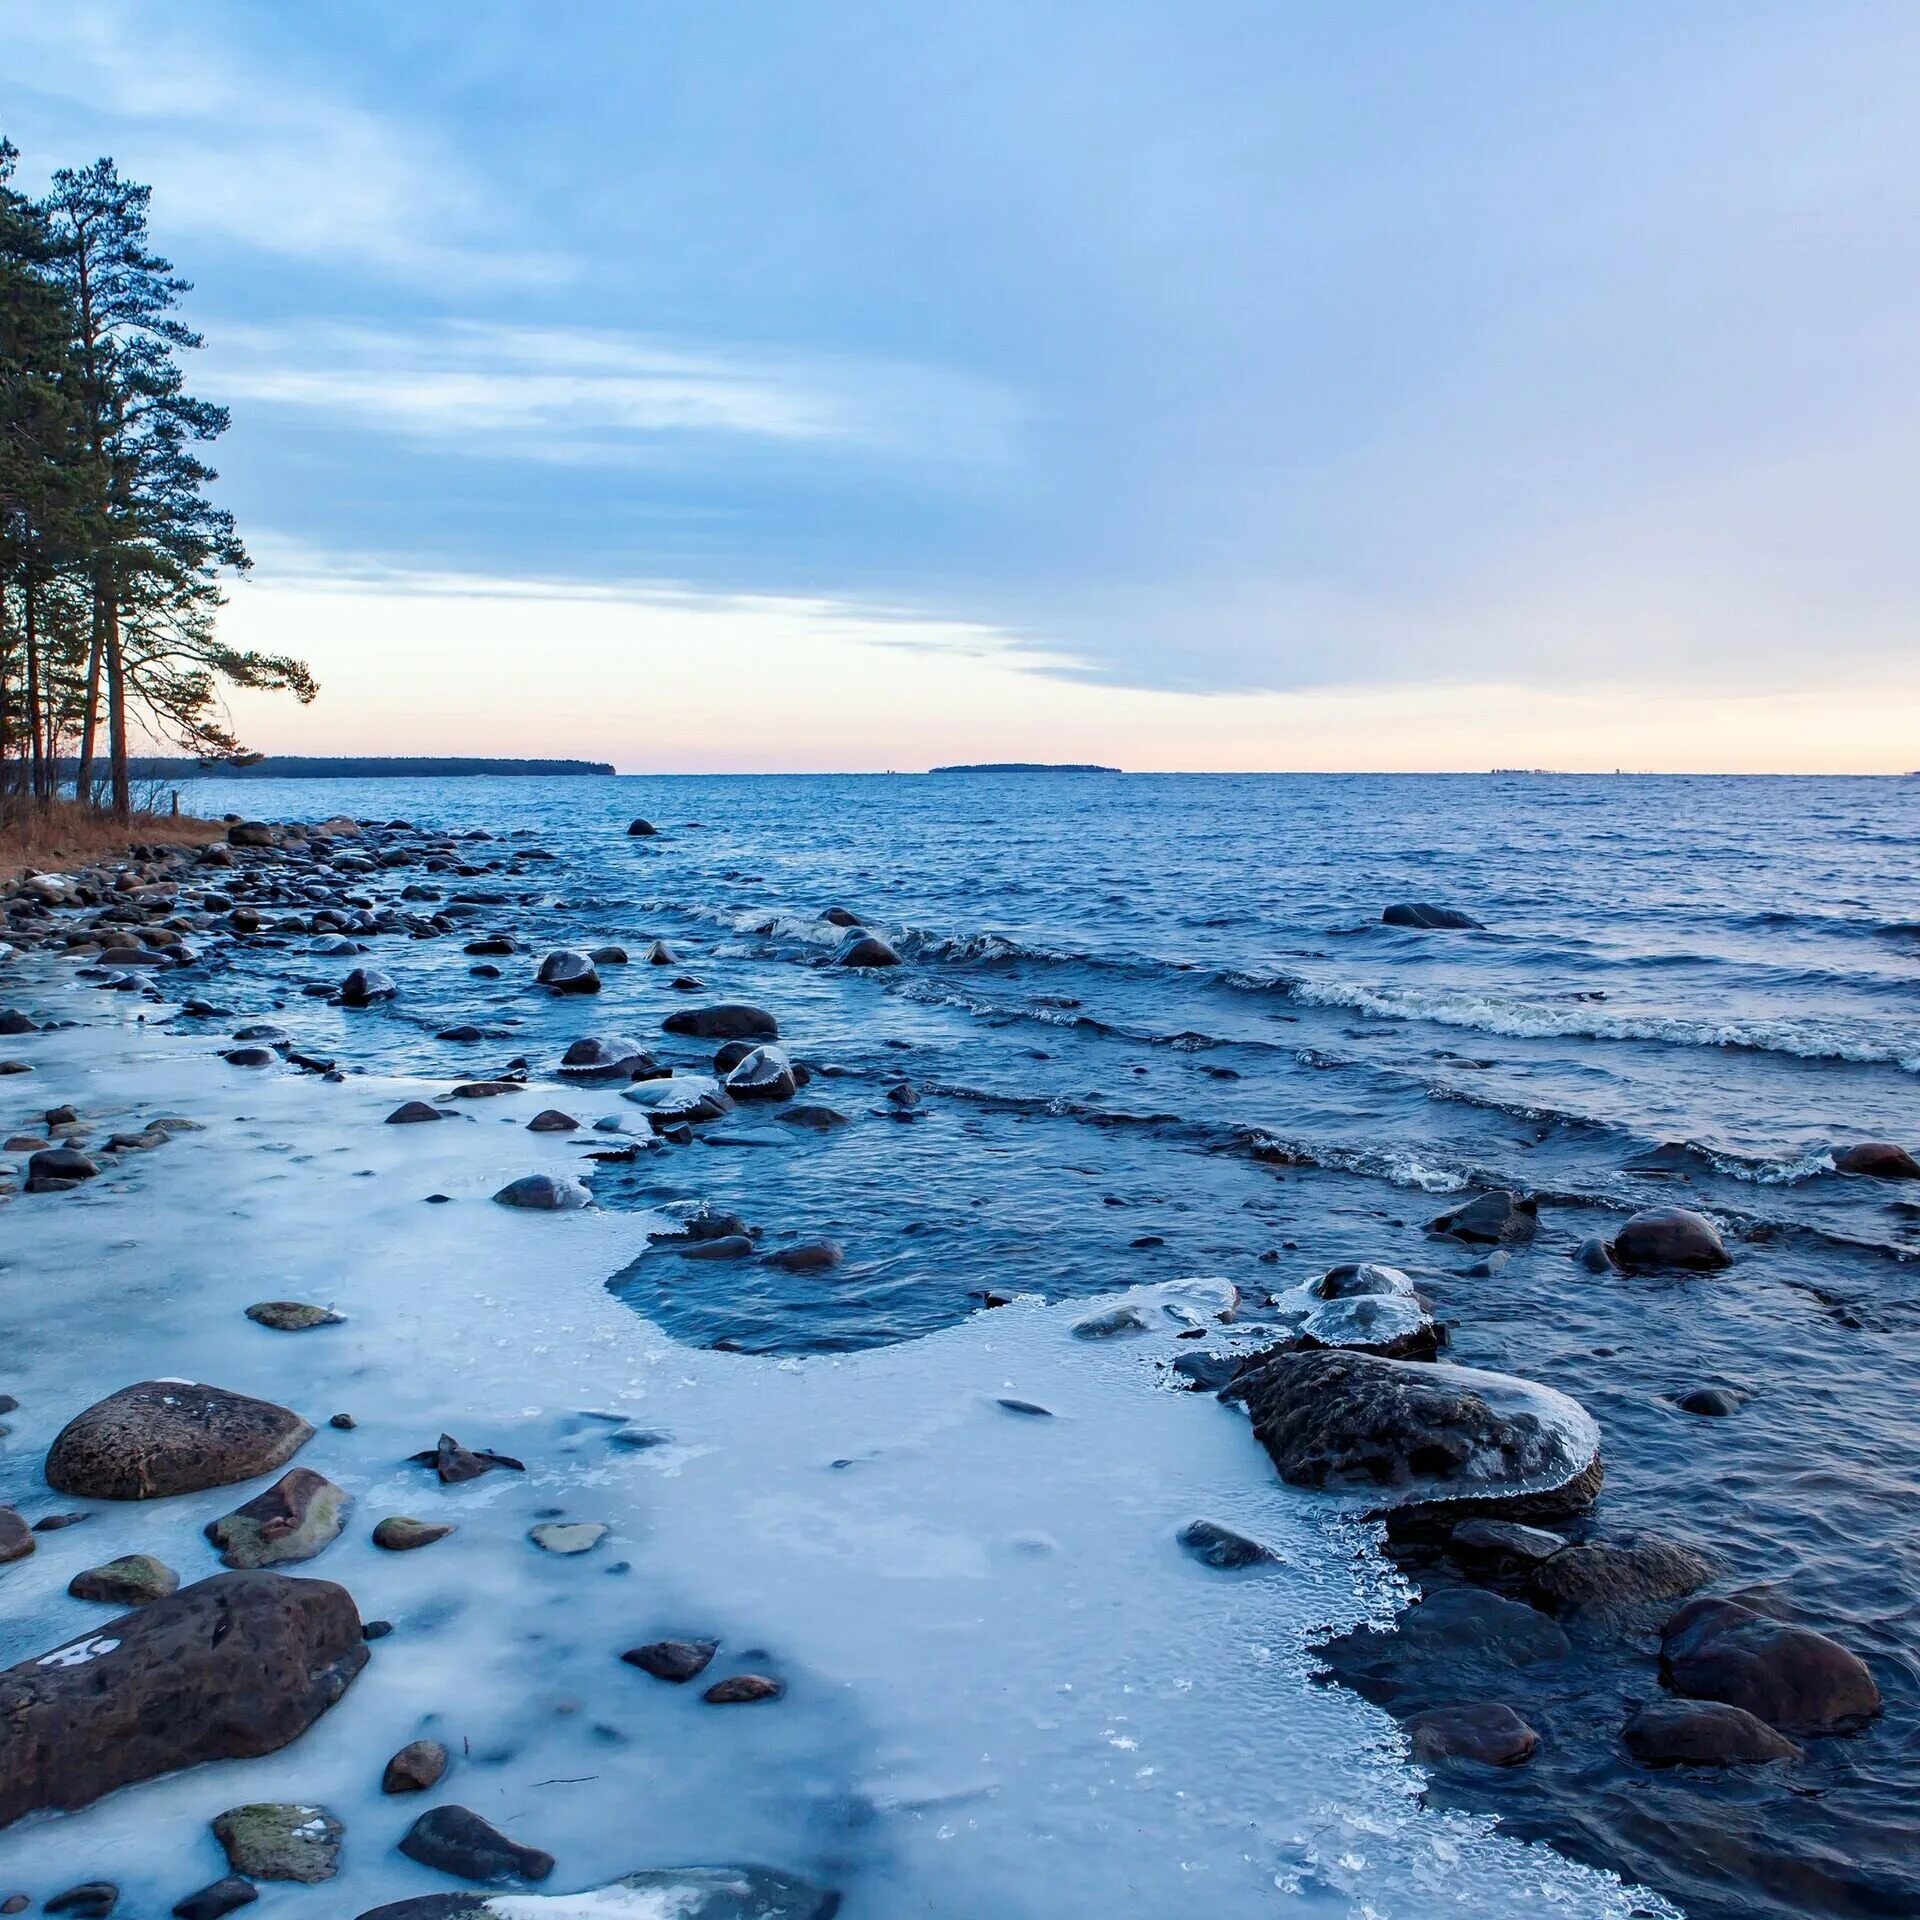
[(65, 835)]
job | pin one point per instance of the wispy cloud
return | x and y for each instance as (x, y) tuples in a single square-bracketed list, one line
[(259, 157), (566, 394)]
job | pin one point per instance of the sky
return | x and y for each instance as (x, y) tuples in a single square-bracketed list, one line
[(729, 385)]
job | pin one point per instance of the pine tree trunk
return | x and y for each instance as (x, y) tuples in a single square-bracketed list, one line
[(36, 752), (83, 774), (117, 717)]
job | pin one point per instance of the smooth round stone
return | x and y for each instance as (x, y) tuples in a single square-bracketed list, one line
[(568, 1536)]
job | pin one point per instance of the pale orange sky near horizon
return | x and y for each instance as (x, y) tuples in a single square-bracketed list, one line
[(673, 682)]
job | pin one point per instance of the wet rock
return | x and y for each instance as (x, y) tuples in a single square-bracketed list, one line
[(91, 1900), (134, 1580), (815, 1119), (364, 985), (59, 1170), (250, 833), (13, 1021), (491, 943), (163, 1437), (676, 1660), (454, 1463), (728, 1021), (568, 1536), (686, 1893), (418, 1765), (642, 829), (456, 1840), (16, 1537), (743, 1689), (1116, 1323), (1481, 1731), (552, 1120), (248, 1056), (1493, 1547), (683, 1099), (1669, 1237), (659, 954), (1878, 1160), (1461, 1623), (1712, 1402), (904, 1095), (1491, 1219), (295, 1518), (218, 1900), (1610, 1576), (866, 950), (400, 1533), (568, 972), (1340, 1420), (411, 1112), (293, 1316), (1419, 913), (608, 956), (281, 1840), (607, 1056), (544, 1193), (1360, 1280), (764, 1074), (1593, 1255), (807, 1256), (731, 1246), (1702, 1733), (1791, 1677), (487, 1089), (1216, 1546), (229, 1668)]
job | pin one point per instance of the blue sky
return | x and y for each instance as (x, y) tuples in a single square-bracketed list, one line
[(1190, 374)]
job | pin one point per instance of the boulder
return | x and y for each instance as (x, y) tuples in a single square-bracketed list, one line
[(134, 1580), (1420, 1433), (1482, 1732), (1669, 1237), (295, 1518), (765, 1073), (807, 1256), (1878, 1160), (401, 1533), (552, 1120), (610, 955), (568, 972), (606, 1056), (1791, 1677), (1419, 913), (1702, 1733), (731, 1020), (364, 985), (59, 1170), (163, 1437), (1494, 1219), (544, 1193), (641, 829), (685, 1893), (227, 1669), (250, 833), (677, 1661), (16, 1537), (1610, 1576), (281, 1840), (456, 1840), (866, 950), (418, 1765), (411, 1112)]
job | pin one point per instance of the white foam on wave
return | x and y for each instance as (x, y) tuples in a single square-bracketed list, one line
[(1009, 1690)]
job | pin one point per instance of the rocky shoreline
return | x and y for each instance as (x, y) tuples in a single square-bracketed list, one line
[(1485, 1485)]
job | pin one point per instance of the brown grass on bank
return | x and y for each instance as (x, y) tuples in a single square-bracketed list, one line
[(53, 839)]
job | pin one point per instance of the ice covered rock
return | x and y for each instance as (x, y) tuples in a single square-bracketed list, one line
[(606, 1056), (764, 1073), (229, 1668), (163, 1437), (683, 1893), (364, 985), (1418, 1432), (684, 1097)]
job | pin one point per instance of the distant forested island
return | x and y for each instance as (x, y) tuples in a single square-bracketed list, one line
[(1027, 766), (301, 766)]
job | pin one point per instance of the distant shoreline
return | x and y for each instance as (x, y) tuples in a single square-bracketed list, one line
[(291, 766), (1026, 766)]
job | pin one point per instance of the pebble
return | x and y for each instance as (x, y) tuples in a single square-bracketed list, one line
[(568, 1536)]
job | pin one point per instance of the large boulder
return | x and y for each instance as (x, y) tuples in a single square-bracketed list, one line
[(686, 1893), (730, 1020), (606, 1056), (1669, 1237), (295, 1518), (1879, 1160), (1420, 1433), (1791, 1677), (226, 1669), (1482, 1732), (364, 985), (1702, 1733), (568, 972), (162, 1437), (1420, 913)]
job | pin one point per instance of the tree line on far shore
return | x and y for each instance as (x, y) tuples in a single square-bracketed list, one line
[(112, 554)]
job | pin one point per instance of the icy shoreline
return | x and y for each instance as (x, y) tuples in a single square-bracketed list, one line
[(1008, 1689)]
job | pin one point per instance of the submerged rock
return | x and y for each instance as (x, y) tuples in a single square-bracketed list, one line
[(1418, 913), (1216, 1546), (217, 1901), (456, 1840), (227, 1669), (807, 1256), (1669, 1237), (1482, 1731), (544, 1193), (642, 829), (1339, 1420), (163, 1437), (295, 1518), (684, 1893), (731, 1020), (1608, 1576), (1593, 1255), (1791, 1677), (1702, 1733), (281, 1840)]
